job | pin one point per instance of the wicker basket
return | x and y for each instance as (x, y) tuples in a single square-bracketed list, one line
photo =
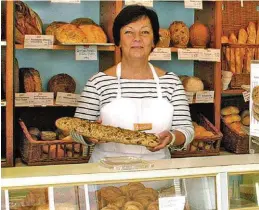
[(206, 146), (53, 152)]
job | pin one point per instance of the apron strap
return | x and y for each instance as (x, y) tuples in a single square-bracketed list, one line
[(156, 78)]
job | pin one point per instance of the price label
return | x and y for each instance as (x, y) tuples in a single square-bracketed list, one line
[(147, 3), (66, 1), (172, 203), (86, 53), (43, 99), (163, 54), (246, 96), (205, 97), (209, 55), (188, 54), (193, 4), (3, 103), (190, 96), (23, 99), (38, 41), (67, 99)]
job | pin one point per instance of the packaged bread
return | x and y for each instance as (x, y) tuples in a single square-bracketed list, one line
[(229, 110), (93, 33), (193, 84), (232, 40), (51, 29), (240, 52), (164, 38), (106, 133), (232, 118)]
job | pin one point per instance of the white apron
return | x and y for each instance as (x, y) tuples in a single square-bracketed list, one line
[(124, 112)]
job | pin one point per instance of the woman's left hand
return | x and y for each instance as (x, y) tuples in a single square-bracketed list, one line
[(165, 138)]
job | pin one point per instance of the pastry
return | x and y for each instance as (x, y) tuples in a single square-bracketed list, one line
[(106, 133), (110, 193), (120, 201), (224, 40), (199, 35), (229, 110), (179, 34), (232, 118), (153, 206), (146, 190), (133, 205), (143, 200), (94, 33)]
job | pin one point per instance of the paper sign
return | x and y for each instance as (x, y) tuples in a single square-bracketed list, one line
[(3, 103), (246, 96), (209, 55), (188, 54), (163, 54), (67, 99), (43, 99), (172, 203), (65, 1), (23, 99), (38, 41), (86, 53), (189, 96), (147, 3), (205, 97), (193, 4)]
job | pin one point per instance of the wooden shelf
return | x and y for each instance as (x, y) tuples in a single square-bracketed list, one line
[(72, 47), (54, 105), (3, 43), (233, 91)]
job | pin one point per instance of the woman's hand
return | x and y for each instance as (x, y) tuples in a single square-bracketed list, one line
[(165, 138)]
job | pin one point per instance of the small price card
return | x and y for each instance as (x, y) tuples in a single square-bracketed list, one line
[(66, 1), (23, 99), (246, 96), (172, 203), (193, 4), (188, 54), (162, 54), (86, 53), (205, 97), (209, 55), (38, 41), (190, 96), (43, 99), (147, 3), (67, 99)]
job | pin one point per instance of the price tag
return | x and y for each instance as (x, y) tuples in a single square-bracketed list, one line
[(188, 54), (190, 96), (38, 41), (209, 55), (43, 99), (147, 3), (163, 54), (3, 103), (67, 99), (23, 99), (86, 53), (246, 96), (172, 203), (205, 97), (66, 1), (193, 4)]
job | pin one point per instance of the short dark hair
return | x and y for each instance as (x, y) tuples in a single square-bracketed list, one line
[(133, 13)]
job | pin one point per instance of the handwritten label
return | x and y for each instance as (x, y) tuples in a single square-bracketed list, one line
[(190, 96), (66, 1), (147, 3), (188, 54), (38, 41), (23, 99), (67, 99), (193, 4), (43, 99), (172, 203), (86, 53), (246, 96), (3, 103), (163, 54), (205, 97), (209, 55)]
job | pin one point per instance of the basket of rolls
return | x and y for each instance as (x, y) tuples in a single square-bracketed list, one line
[(48, 147), (206, 141), (235, 124)]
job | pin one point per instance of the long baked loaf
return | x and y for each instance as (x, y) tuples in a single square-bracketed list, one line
[(106, 133)]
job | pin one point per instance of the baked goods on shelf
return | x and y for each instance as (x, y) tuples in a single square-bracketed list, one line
[(193, 84), (164, 38), (199, 35), (229, 110), (51, 29), (106, 133), (30, 80), (179, 34), (83, 21), (93, 33)]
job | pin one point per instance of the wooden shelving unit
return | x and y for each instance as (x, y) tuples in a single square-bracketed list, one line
[(233, 91)]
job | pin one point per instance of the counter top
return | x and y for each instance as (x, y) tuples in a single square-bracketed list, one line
[(95, 173)]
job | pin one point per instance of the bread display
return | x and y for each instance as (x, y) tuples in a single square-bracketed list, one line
[(199, 35), (164, 38), (179, 34), (93, 33), (106, 133), (62, 83), (30, 80), (193, 84)]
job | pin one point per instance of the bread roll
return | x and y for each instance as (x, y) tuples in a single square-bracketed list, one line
[(246, 120), (133, 205), (237, 128), (232, 118), (229, 110), (94, 33), (193, 84), (120, 201)]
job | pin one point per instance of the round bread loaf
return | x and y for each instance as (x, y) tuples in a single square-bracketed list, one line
[(179, 34), (62, 83), (164, 38), (193, 84), (199, 35), (83, 21), (51, 28), (94, 33)]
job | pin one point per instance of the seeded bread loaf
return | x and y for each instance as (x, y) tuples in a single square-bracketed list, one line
[(106, 133)]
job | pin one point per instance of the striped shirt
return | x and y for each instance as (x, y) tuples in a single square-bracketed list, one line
[(101, 89)]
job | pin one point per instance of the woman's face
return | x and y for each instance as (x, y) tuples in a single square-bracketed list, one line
[(136, 39)]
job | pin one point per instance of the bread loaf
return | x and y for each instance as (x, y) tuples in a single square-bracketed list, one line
[(30, 80), (51, 29), (193, 84), (199, 35), (232, 40), (246, 120), (257, 42), (232, 118), (106, 133), (240, 52), (251, 30), (83, 21), (164, 38), (179, 34), (229, 110), (94, 33), (237, 128)]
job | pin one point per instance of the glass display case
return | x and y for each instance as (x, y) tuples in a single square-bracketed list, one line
[(220, 182)]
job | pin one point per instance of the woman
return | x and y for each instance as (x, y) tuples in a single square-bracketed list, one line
[(134, 92)]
